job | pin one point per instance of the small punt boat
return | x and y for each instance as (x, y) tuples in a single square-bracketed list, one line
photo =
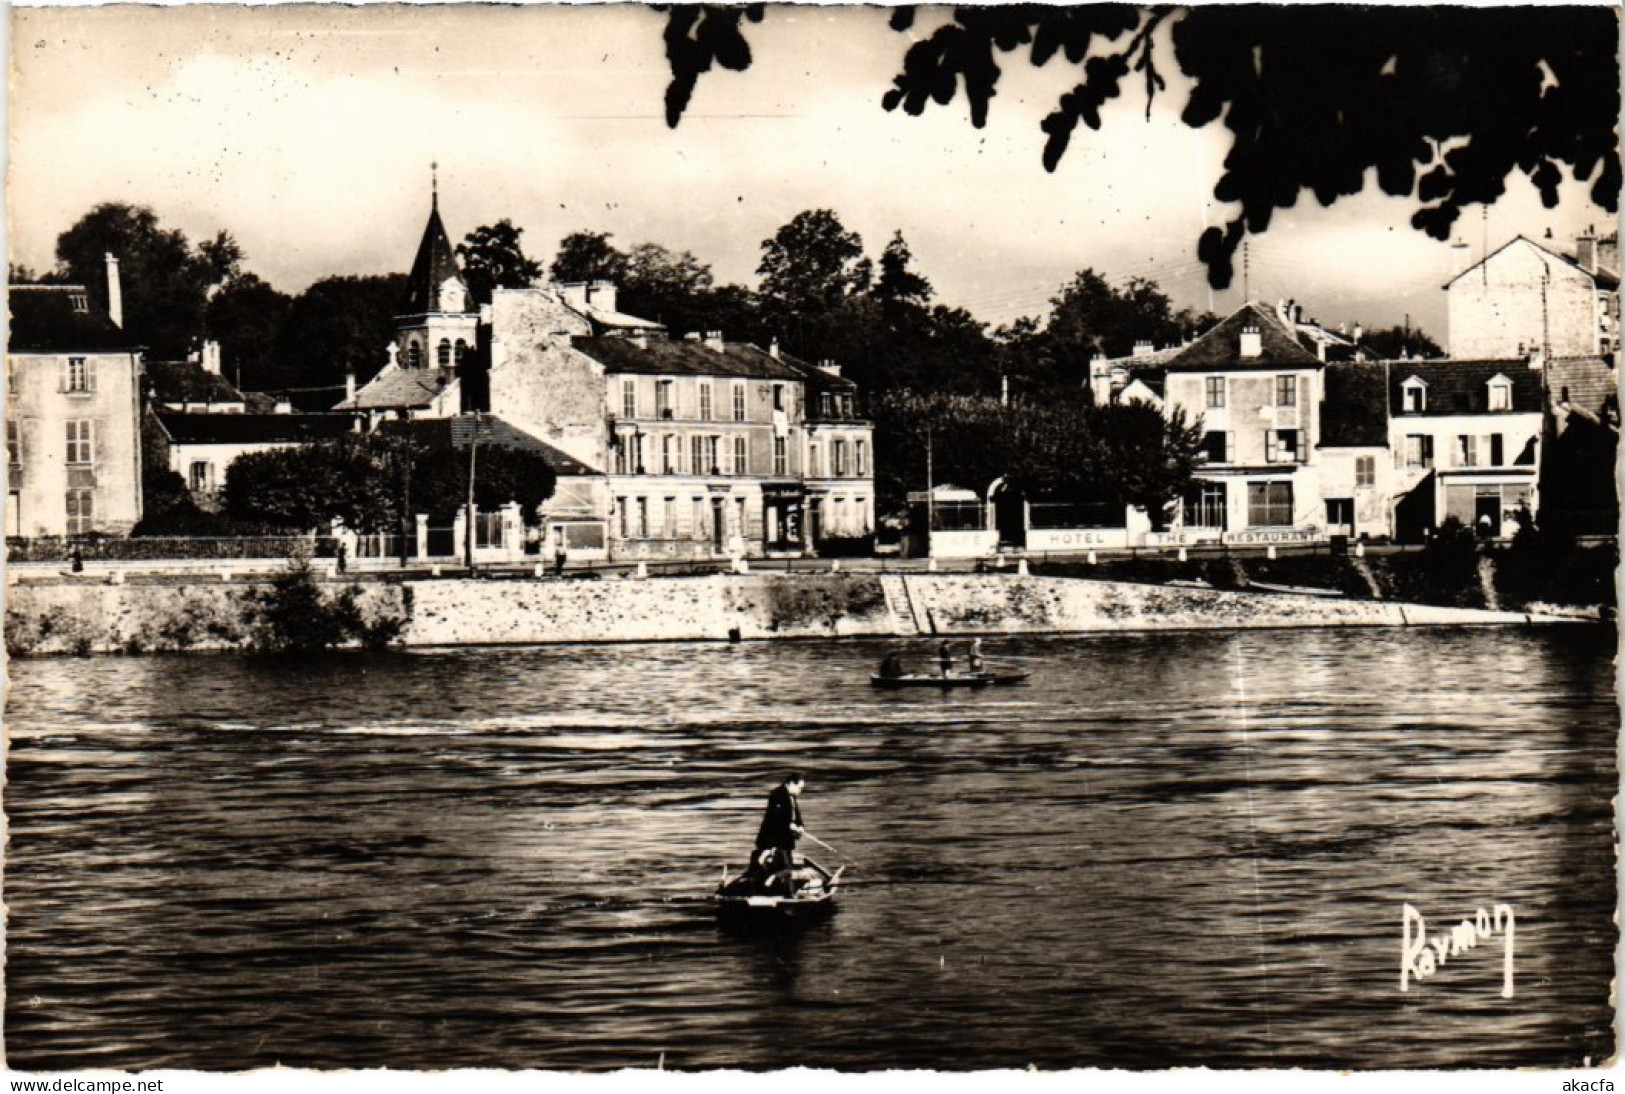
[(952, 680), (1293, 590), (741, 900)]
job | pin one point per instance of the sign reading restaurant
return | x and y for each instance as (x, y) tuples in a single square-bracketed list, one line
[(1274, 535)]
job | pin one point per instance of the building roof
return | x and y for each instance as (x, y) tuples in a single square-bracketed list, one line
[(457, 433), (61, 319), (688, 357), (1355, 413), (1587, 382), (1219, 350), (1462, 387), (254, 428), (435, 262), (189, 382), (397, 387), (817, 378), (1604, 278)]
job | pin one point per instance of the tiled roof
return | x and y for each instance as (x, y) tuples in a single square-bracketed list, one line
[(441, 433), (1353, 415), (605, 319), (665, 357), (189, 382), (45, 319), (1589, 381), (1462, 387), (1220, 348), (435, 262), (254, 428), (817, 379), (396, 387)]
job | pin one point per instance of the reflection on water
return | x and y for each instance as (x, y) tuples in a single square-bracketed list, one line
[(1167, 850)]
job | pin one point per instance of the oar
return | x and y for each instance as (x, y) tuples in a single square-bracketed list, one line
[(827, 847)]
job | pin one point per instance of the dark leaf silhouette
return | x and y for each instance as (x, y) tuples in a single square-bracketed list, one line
[(1314, 96)]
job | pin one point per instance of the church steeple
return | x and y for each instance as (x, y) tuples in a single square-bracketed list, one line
[(435, 283)]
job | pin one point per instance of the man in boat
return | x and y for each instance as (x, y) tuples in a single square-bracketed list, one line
[(945, 659), (775, 859), (892, 667), (975, 658)]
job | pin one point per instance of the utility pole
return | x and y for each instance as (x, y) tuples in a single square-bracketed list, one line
[(930, 495), (468, 524)]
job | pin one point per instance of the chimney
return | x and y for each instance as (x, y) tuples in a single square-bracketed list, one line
[(640, 339), (115, 292), (773, 349), (713, 340), (1143, 347), (830, 367), (1252, 342), (211, 357), (1608, 253), (574, 293), (283, 407), (1585, 251), (1359, 332), (349, 385), (602, 295)]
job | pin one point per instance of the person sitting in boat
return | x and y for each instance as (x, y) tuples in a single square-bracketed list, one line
[(945, 659), (774, 860), (975, 658), (892, 667)]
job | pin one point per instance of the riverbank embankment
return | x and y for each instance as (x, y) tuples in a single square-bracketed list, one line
[(87, 617)]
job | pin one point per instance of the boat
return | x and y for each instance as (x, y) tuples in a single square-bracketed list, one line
[(741, 900), (1293, 590), (952, 680)]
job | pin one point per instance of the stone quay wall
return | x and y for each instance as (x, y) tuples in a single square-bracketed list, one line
[(93, 617)]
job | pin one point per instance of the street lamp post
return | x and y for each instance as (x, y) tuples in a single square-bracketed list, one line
[(468, 523)]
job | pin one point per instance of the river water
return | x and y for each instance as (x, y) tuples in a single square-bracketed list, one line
[(1165, 850)]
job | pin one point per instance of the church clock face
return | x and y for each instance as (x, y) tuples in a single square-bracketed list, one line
[(451, 295)]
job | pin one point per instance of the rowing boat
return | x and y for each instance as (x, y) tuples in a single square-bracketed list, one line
[(1293, 590), (741, 899), (952, 680)]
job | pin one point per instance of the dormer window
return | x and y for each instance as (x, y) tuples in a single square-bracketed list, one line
[(1414, 396), (1500, 394)]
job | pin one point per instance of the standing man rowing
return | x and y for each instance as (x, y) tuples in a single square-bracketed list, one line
[(781, 827)]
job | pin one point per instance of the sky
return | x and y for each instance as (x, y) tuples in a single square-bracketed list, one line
[(308, 132)]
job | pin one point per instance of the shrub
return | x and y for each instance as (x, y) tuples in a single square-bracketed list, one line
[(295, 615)]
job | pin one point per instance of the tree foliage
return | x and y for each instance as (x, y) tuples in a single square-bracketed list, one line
[(813, 262), (164, 283), (1441, 103), (1396, 342), (587, 256), (1062, 449), (338, 325), (370, 482), (898, 282), (247, 317), (493, 259)]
